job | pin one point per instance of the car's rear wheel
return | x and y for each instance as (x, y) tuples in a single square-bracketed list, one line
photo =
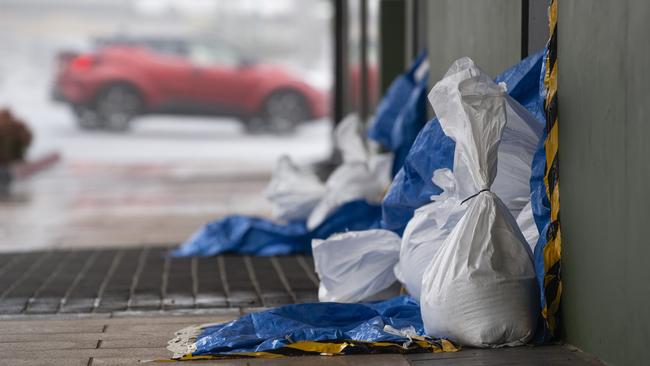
[(87, 118), (117, 105), (284, 110)]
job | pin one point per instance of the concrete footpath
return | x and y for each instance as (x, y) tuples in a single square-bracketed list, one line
[(131, 338)]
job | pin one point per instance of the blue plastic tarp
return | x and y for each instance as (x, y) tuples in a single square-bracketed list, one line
[(402, 113), (541, 210), (258, 236), (412, 186), (275, 329)]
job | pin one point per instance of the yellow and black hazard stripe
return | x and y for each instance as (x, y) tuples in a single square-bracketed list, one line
[(553, 245)]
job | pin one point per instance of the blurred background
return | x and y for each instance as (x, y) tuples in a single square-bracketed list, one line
[(66, 60), (156, 116)]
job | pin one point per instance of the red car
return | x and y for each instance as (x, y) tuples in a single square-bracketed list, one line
[(126, 78)]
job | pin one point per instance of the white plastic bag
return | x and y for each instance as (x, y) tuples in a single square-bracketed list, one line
[(479, 289), (292, 191), (362, 175), (432, 223), (356, 265), (526, 222), (427, 230)]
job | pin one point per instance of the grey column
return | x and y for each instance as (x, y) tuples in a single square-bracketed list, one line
[(604, 116)]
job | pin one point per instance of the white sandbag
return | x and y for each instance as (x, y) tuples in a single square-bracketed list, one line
[(479, 289), (427, 230), (526, 222), (356, 265), (293, 192), (516, 150), (362, 175), (432, 223)]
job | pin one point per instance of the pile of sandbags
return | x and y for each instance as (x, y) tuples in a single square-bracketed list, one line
[(363, 174), (298, 194), (463, 255), (305, 208)]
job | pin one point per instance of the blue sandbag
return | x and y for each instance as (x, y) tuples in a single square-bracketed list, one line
[(412, 186), (263, 237), (402, 113), (408, 125), (391, 104), (271, 331)]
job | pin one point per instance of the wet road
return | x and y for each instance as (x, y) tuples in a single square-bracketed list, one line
[(93, 204), (154, 185)]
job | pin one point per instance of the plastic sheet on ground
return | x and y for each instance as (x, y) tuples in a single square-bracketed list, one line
[(432, 149), (402, 112), (393, 325), (258, 236)]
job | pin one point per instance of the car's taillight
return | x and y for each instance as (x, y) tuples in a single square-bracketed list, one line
[(83, 62)]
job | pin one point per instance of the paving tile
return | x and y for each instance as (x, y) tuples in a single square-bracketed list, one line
[(117, 361), (61, 316), (52, 344), (127, 341), (9, 327), (65, 361), (250, 310), (516, 356), (176, 313), (177, 319), (134, 354), (162, 329)]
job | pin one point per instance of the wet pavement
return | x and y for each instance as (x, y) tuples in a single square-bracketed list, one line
[(79, 205)]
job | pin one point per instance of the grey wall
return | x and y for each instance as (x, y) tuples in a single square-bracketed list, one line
[(537, 25), (487, 31), (604, 116)]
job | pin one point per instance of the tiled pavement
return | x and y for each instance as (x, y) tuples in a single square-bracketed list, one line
[(147, 279), (126, 339)]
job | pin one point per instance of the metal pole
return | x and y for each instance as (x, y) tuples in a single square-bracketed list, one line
[(394, 41), (340, 60), (363, 62), (525, 14)]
